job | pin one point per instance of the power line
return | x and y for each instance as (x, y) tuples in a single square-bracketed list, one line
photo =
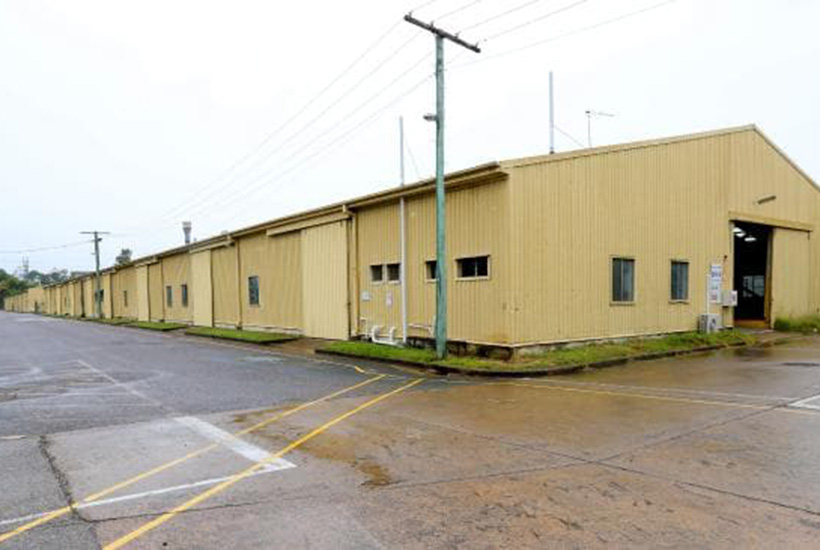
[(569, 34), (44, 248), (457, 10), (330, 145), (502, 14), (289, 140), (536, 20), (291, 119)]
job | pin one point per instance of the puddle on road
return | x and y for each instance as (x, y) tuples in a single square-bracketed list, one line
[(752, 353)]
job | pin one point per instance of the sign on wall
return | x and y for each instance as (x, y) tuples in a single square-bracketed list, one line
[(715, 283)]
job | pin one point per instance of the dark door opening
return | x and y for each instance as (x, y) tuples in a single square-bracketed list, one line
[(751, 245)]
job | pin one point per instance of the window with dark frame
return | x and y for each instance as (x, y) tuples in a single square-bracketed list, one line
[(430, 270), (184, 289), (680, 281), (376, 273), (169, 296), (125, 298), (394, 273), (474, 267), (253, 290), (623, 280)]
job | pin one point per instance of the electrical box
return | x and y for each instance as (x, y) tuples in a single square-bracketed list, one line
[(730, 298), (709, 322)]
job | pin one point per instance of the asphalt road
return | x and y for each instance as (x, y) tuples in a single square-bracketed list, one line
[(162, 441)]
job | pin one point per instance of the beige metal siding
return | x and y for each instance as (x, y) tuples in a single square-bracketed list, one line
[(571, 217), (107, 295), (654, 204), (88, 297), (202, 289), (790, 273), (225, 286), (324, 280), (124, 280), (156, 292), (176, 271), (142, 297), (477, 225), (278, 264)]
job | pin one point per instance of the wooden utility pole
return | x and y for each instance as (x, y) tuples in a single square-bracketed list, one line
[(441, 260), (97, 281)]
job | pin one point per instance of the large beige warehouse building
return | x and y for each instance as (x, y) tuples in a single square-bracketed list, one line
[(599, 243)]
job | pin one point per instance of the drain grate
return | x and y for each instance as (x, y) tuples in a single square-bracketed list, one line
[(801, 364)]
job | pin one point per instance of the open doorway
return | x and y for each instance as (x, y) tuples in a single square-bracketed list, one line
[(751, 271)]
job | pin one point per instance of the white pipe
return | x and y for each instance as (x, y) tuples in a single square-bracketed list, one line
[(403, 238), (552, 117)]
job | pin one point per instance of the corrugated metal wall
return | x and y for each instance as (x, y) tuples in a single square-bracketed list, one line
[(201, 289), (156, 292), (324, 281), (225, 286), (477, 225), (176, 271), (654, 204), (791, 273), (125, 281), (142, 297), (277, 261)]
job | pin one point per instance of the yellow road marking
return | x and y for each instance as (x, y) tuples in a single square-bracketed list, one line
[(153, 524), (54, 514), (779, 407)]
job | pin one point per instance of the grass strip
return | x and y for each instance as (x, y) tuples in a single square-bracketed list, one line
[(587, 354), (114, 321), (153, 325), (256, 337), (807, 324)]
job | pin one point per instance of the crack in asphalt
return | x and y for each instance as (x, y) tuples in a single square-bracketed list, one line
[(43, 445)]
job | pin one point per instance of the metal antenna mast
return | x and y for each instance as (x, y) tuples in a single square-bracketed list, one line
[(97, 282), (441, 261)]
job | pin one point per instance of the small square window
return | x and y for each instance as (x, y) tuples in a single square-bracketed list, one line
[(184, 289), (474, 267), (430, 270), (253, 290), (169, 296), (376, 273), (394, 272), (680, 281), (623, 280)]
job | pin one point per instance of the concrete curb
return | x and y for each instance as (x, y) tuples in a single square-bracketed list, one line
[(564, 369)]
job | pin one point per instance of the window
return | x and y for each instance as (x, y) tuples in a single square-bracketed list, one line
[(473, 268), (393, 272), (125, 298), (169, 296), (376, 273), (430, 270), (680, 281), (184, 289), (623, 280), (253, 290)]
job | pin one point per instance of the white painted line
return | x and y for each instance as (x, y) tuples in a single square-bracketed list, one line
[(144, 494), (230, 441), (119, 384), (812, 402)]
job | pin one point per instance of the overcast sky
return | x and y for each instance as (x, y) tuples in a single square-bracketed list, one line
[(130, 117)]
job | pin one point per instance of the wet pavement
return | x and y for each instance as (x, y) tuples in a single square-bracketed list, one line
[(157, 441)]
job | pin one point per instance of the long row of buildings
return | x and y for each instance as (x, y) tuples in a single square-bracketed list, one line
[(634, 239)]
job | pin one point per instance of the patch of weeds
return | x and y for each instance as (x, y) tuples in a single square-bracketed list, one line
[(806, 324)]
